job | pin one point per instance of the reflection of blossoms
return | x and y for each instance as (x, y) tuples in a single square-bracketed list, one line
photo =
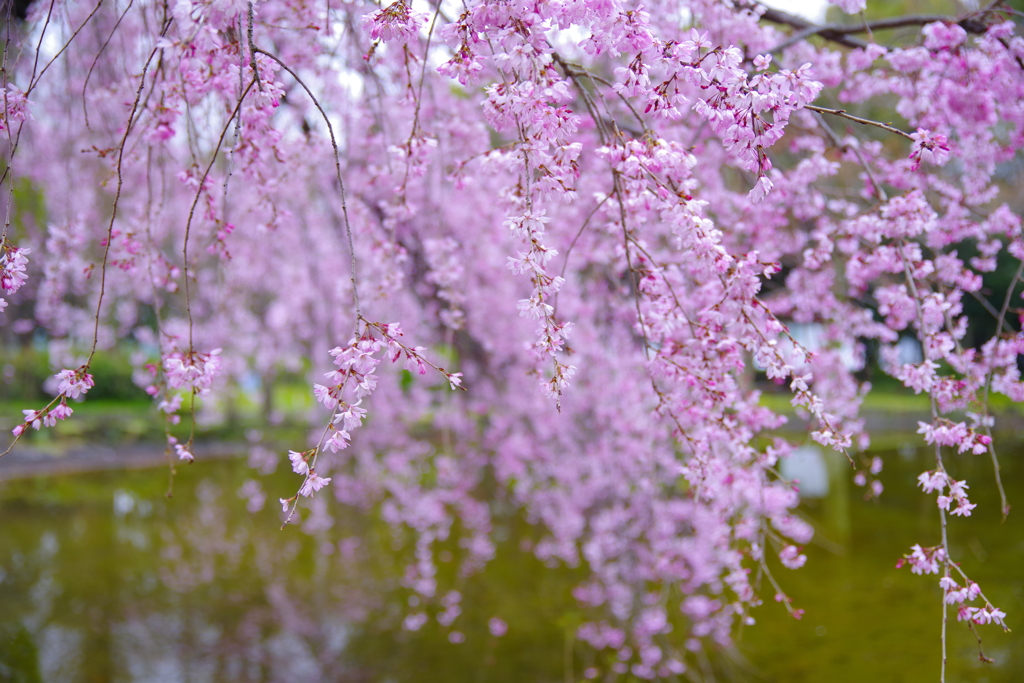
[(253, 494), (414, 621)]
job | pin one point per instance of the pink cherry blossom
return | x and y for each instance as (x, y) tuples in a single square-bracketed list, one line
[(74, 383), (313, 483), (928, 147), (299, 464)]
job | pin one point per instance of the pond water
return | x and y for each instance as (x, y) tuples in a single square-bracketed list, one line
[(103, 578)]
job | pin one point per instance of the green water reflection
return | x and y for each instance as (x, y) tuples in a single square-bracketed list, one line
[(102, 578)]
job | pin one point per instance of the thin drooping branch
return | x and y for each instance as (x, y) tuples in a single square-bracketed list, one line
[(856, 119), (1001, 321), (341, 183), (117, 194), (1003, 325), (252, 50), (36, 78), (96, 59), (939, 464), (195, 201), (969, 24), (879, 190), (843, 33), (808, 28), (113, 215)]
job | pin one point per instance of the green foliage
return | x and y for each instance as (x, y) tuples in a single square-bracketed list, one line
[(19, 656), (24, 372), (995, 289), (113, 376)]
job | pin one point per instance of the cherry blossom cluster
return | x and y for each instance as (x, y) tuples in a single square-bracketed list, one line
[(13, 262), (938, 480), (749, 113), (395, 23), (850, 6), (957, 434), (981, 615), (15, 109), (935, 560), (193, 371), (553, 333), (932, 148), (70, 384), (354, 379), (446, 271), (182, 451), (924, 560)]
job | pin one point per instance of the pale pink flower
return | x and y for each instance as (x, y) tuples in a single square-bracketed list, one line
[(14, 108), (323, 395), (183, 453), (299, 464), (61, 411), (760, 189), (74, 383), (195, 371), (33, 417), (337, 441), (12, 268), (934, 480), (351, 416), (929, 147), (314, 482), (791, 557), (395, 23)]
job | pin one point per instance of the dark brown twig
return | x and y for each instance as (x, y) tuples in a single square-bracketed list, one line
[(843, 33), (341, 183), (856, 119)]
